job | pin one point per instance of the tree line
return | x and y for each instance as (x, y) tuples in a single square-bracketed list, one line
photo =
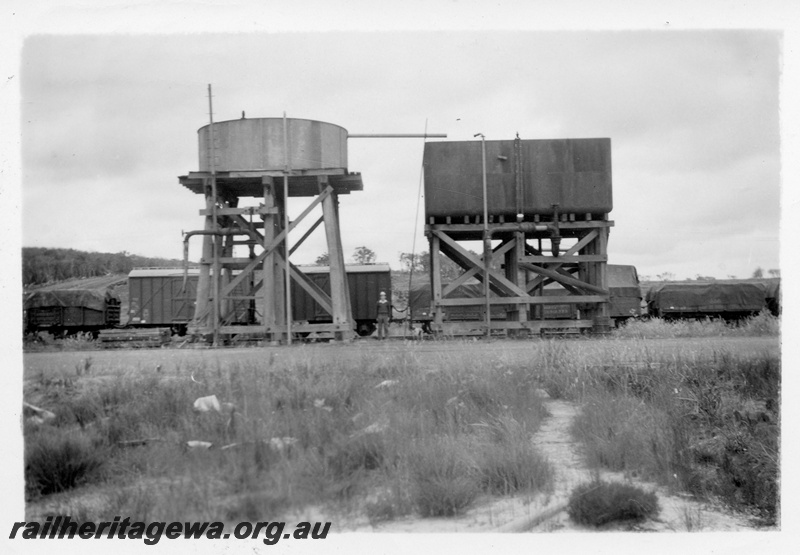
[(45, 265)]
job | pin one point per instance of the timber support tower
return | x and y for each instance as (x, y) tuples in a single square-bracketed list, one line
[(269, 159)]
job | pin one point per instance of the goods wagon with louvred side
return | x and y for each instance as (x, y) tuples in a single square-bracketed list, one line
[(365, 282), (158, 298)]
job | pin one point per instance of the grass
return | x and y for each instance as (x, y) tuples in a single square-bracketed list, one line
[(56, 462), (304, 430), (761, 325), (444, 477), (709, 426), (406, 430)]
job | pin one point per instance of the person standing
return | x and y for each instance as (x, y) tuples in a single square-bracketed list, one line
[(384, 313)]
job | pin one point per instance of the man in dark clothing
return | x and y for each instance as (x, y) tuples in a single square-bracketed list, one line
[(384, 313)]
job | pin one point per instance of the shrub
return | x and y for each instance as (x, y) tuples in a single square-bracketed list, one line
[(56, 462), (443, 475), (597, 503)]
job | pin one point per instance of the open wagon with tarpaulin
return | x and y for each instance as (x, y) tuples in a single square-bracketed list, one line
[(729, 300), (69, 311)]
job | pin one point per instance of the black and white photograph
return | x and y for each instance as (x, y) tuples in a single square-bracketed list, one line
[(461, 275)]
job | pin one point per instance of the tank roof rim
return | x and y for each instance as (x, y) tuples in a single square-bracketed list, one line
[(273, 118)]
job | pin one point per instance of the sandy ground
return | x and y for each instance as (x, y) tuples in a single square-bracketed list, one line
[(547, 513)]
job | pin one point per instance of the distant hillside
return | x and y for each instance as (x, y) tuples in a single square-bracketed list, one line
[(45, 266)]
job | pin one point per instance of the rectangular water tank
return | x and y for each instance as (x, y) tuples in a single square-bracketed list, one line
[(573, 173)]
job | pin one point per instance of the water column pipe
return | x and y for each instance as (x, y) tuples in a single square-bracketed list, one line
[(487, 241), (216, 244), (288, 278), (217, 233)]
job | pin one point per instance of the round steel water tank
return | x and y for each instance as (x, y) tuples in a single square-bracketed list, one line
[(258, 144)]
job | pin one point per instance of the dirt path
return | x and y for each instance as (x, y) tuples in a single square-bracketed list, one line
[(678, 514), (547, 513)]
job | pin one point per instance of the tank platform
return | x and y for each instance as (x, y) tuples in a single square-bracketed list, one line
[(251, 183)]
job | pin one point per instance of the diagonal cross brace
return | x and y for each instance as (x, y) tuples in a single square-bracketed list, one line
[(499, 251), (588, 238), (508, 287), (563, 279), (247, 270)]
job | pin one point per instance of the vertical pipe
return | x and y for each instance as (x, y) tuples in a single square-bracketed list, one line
[(286, 227), (215, 243), (518, 178), (487, 244), (268, 287)]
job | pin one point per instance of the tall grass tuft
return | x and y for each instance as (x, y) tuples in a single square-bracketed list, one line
[(443, 476), (762, 324), (56, 462), (507, 461)]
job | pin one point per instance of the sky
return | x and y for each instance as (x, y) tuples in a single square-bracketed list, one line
[(109, 122)]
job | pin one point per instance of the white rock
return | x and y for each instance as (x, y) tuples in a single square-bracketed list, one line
[(205, 404), (195, 444), (281, 443)]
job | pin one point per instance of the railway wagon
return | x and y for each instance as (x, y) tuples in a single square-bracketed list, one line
[(158, 298), (419, 300), (714, 299), (365, 281), (773, 286), (69, 311), (626, 294)]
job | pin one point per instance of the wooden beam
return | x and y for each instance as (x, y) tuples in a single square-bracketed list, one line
[(460, 280), (512, 227), (251, 210), (250, 227), (467, 264), (582, 242), (565, 259), (341, 309), (306, 234), (565, 280), (269, 249), (316, 292), (436, 276), (500, 281), (561, 299)]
